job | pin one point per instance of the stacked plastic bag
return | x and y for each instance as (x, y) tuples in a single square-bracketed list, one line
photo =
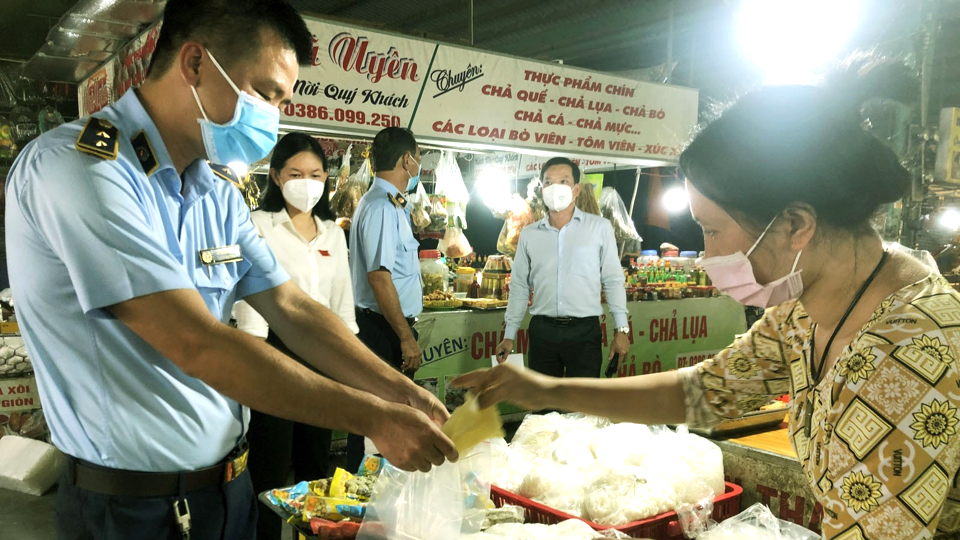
[(608, 474), (572, 529), (754, 523)]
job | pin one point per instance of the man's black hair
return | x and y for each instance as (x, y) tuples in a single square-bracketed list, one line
[(389, 146), (561, 161), (231, 28)]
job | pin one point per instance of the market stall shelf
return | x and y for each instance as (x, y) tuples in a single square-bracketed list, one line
[(663, 527)]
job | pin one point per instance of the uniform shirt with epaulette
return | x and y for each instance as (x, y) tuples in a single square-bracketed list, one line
[(381, 236), (96, 215)]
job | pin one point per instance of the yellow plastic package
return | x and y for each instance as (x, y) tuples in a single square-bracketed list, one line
[(468, 426), (332, 508)]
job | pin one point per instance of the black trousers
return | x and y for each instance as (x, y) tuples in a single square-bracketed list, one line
[(276, 444), (225, 512), (377, 334), (570, 348)]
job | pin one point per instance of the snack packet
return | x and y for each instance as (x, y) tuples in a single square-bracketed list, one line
[(371, 466), (332, 508)]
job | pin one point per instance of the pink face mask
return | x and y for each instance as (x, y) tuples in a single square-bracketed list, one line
[(733, 275)]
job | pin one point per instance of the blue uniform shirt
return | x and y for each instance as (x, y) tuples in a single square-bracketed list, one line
[(566, 268), (84, 233), (381, 237)]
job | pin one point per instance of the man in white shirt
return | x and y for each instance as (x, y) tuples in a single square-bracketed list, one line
[(564, 259)]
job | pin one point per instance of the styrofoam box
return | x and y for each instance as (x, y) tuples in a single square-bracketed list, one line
[(29, 466)]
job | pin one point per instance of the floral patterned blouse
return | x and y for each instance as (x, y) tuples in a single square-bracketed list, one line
[(882, 452)]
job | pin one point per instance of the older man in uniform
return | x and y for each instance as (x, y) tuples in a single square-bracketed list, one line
[(127, 252), (384, 260)]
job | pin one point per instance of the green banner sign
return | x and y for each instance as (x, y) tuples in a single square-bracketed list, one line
[(665, 335)]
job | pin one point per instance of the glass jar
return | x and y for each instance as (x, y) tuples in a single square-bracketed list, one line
[(495, 274), (433, 272), (465, 278)]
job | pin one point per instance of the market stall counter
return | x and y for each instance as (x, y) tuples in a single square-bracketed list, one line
[(766, 466), (664, 335)]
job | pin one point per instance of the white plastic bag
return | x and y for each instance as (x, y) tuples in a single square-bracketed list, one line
[(454, 244), (613, 208), (451, 186), (437, 505), (757, 523)]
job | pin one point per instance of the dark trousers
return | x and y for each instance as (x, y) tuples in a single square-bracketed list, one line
[(566, 348), (225, 512), (377, 334), (276, 444)]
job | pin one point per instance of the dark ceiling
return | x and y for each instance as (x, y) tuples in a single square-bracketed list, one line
[(24, 25), (604, 35)]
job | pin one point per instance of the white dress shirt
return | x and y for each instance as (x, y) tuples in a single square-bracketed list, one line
[(566, 269), (319, 267)]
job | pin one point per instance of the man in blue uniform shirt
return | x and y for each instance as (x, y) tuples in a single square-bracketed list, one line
[(384, 261), (127, 251), (565, 259)]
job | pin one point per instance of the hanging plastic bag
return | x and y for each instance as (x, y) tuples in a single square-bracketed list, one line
[(419, 211), (344, 202), (438, 213), (612, 208), (454, 244), (517, 218), (451, 186), (444, 503), (587, 201)]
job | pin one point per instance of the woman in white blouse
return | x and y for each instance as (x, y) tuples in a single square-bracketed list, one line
[(295, 220)]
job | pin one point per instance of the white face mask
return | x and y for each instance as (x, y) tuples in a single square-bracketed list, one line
[(303, 193), (557, 197)]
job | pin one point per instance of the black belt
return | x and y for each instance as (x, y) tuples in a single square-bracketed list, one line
[(566, 321), (366, 311), (122, 483)]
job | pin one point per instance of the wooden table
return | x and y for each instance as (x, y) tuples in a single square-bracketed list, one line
[(776, 441)]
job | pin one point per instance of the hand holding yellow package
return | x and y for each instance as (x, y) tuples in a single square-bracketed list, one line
[(468, 426)]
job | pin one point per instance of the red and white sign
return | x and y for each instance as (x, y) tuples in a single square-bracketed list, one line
[(476, 97), (96, 92), (360, 82)]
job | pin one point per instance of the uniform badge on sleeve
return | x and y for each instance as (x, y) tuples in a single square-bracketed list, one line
[(99, 138)]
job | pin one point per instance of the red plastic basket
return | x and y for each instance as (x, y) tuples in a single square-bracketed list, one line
[(662, 527)]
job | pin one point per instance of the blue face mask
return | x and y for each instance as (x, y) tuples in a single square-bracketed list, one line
[(414, 180), (248, 137)]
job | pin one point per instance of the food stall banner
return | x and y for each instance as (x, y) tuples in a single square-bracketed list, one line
[(362, 80), (126, 69), (664, 335), (97, 91), (359, 81), (476, 97)]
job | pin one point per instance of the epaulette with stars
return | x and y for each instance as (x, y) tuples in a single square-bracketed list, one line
[(99, 138)]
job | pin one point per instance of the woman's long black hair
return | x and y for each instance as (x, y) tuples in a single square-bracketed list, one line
[(290, 145)]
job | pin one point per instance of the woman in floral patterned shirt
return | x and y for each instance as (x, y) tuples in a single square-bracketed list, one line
[(866, 342)]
